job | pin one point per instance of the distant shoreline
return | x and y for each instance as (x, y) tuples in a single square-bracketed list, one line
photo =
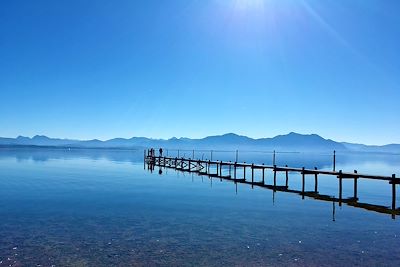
[(69, 148)]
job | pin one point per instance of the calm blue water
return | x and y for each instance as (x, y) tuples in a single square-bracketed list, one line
[(103, 208)]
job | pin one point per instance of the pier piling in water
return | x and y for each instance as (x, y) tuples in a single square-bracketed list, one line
[(334, 160), (316, 181), (252, 173), (303, 179), (340, 176), (355, 186), (287, 176), (394, 191), (263, 174)]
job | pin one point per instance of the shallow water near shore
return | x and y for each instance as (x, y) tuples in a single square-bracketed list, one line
[(104, 208)]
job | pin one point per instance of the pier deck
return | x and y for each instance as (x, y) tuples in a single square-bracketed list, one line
[(236, 171)]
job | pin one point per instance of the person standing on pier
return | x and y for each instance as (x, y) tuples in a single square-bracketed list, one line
[(161, 151)]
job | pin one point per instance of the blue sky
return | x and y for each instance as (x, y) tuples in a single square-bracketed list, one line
[(104, 69)]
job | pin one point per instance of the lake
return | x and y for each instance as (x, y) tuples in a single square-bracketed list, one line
[(63, 207)]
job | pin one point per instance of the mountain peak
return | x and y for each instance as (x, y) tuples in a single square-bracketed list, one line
[(294, 134), (300, 134), (42, 137), (230, 134)]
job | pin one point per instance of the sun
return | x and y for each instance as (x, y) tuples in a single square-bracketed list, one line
[(249, 4)]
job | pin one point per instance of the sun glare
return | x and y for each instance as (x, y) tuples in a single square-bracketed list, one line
[(248, 4)]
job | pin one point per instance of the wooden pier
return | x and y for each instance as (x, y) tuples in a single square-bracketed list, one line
[(236, 172)]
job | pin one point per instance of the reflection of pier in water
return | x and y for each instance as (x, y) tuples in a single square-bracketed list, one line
[(230, 171)]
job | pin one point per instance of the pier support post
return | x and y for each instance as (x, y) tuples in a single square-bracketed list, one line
[(334, 160), (144, 159), (220, 168), (273, 159), (274, 177), (244, 172), (263, 175), (287, 177), (393, 192), (303, 178), (234, 170), (333, 211), (355, 187), (340, 187), (252, 173), (316, 181)]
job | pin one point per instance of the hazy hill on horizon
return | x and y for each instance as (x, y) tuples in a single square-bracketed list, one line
[(289, 142)]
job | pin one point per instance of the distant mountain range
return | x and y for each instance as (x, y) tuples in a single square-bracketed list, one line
[(288, 142)]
